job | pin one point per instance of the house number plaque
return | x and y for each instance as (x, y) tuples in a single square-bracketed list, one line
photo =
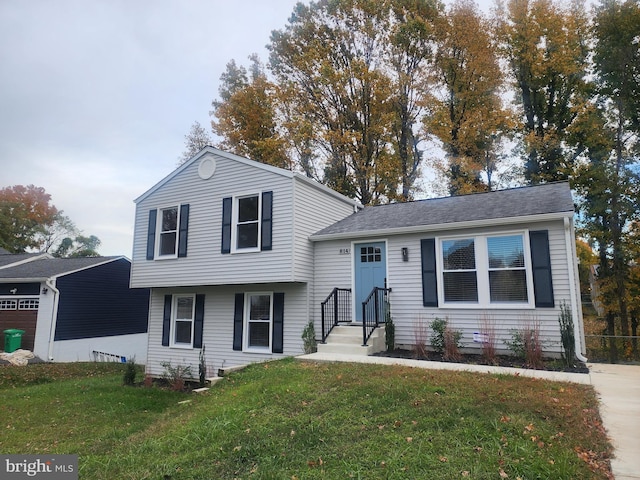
[(345, 251)]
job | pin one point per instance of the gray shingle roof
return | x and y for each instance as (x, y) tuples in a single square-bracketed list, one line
[(50, 267), (516, 202), (9, 258)]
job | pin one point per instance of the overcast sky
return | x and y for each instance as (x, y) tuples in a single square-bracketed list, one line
[(97, 96)]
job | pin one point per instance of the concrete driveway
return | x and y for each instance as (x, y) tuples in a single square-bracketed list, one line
[(618, 387)]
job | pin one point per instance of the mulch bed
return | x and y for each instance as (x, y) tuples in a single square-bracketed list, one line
[(555, 365)]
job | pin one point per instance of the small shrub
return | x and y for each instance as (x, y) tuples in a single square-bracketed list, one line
[(389, 332), (527, 345), (130, 372), (567, 335), (438, 327), (176, 376), (488, 332), (420, 331), (442, 342), (309, 341), (451, 342), (202, 367)]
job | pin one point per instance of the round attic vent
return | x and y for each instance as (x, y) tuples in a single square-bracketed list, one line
[(207, 168)]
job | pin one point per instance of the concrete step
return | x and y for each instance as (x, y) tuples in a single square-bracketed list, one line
[(347, 339)]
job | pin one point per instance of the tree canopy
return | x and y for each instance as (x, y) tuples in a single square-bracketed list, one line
[(30, 223), (368, 96)]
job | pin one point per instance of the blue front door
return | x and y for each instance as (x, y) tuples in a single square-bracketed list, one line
[(370, 271)]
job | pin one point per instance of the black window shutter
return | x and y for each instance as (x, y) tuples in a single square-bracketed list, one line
[(237, 321), (226, 224), (267, 220), (166, 320), (198, 321), (278, 323), (151, 234), (541, 265), (429, 273), (183, 230)]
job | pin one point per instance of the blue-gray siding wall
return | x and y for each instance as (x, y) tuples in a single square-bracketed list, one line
[(97, 302)]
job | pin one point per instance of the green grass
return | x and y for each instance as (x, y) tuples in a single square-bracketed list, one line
[(294, 420)]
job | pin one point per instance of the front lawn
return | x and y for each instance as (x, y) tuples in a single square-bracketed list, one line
[(295, 420)]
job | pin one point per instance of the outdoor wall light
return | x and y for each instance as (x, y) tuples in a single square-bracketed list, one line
[(405, 254), (44, 290)]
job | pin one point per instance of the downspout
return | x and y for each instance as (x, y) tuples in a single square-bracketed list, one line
[(572, 289), (54, 315)]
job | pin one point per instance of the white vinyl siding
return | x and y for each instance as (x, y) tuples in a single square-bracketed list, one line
[(299, 210), (405, 279), (218, 328)]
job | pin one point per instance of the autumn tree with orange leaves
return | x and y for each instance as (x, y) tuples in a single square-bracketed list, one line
[(24, 213)]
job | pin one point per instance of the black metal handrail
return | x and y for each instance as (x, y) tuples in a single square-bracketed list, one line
[(374, 311), (335, 309)]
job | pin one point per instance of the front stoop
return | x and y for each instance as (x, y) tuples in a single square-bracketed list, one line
[(347, 339)]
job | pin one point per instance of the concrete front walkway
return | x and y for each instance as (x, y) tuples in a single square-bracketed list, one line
[(617, 386)]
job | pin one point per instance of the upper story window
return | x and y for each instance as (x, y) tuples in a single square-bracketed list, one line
[(168, 231), (247, 223), (485, 270)]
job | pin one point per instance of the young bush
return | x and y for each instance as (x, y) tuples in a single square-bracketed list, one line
[(310, 344), (488, 332), (130, 372), (438, 327), (451, 342), (202, 368), (443, 342), (567, 335), (527, 345), (420, 330), (389, 331), (176, 376)]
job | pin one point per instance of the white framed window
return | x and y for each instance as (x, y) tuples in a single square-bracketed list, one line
[(246, 223), (167, 232), (459, 275), (8, 304), (28, 304), (485, 271), (507, 269), (182, 319), (258, 317)]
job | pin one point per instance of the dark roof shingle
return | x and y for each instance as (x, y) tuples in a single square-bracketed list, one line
[(515, 202), (50, 267)]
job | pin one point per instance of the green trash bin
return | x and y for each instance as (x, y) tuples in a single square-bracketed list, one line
[(12, 339)]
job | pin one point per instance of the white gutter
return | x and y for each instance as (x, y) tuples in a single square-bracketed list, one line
[(54, 314), (573, 291)]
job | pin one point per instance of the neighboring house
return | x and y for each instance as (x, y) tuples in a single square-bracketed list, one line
[(73, 309), (240, 255)]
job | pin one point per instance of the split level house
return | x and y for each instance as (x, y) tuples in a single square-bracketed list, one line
[(73, 309), (239, 256)]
